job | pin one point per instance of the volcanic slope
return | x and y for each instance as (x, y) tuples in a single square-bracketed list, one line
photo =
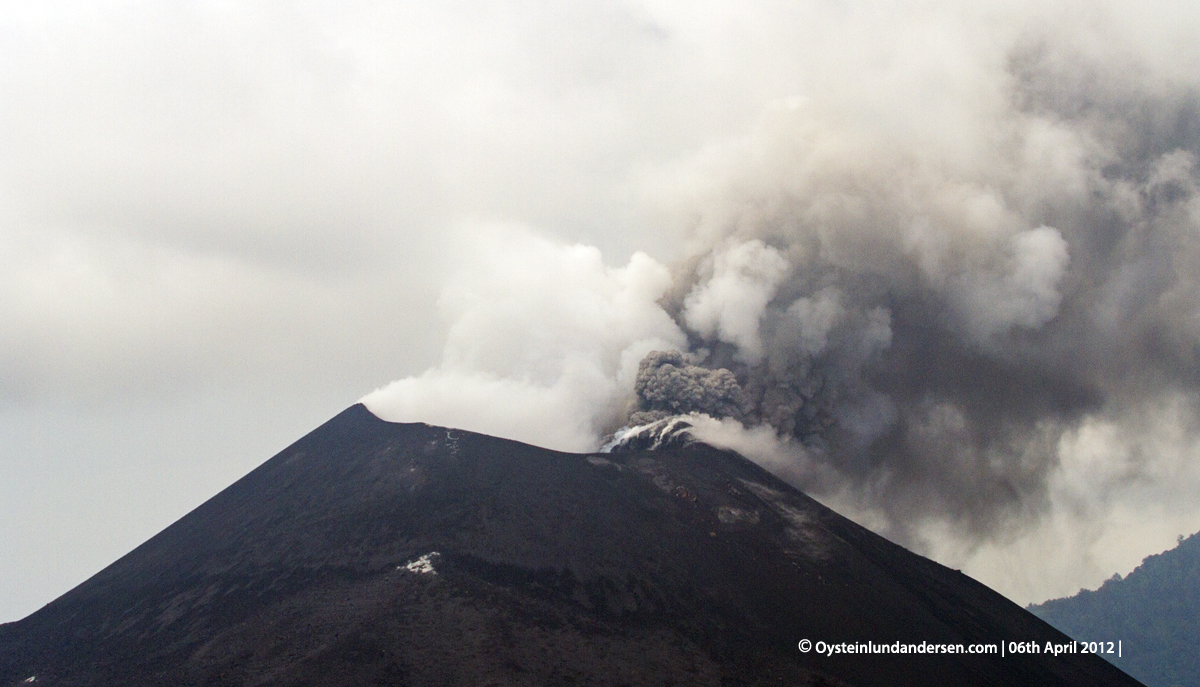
[(375, 553)]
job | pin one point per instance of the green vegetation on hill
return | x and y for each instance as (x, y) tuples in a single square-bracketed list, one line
[(1154, 612)]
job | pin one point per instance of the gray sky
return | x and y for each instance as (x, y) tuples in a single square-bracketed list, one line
[(223, 222)]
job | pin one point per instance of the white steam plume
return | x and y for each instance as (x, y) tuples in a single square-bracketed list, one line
[(728, 304), (543, 345)]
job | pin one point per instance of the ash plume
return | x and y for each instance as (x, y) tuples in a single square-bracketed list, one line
[(667, 385), (957, 298), (931, 330)]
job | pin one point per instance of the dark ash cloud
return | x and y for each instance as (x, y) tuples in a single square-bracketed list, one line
[(931, 330), (668, 385)]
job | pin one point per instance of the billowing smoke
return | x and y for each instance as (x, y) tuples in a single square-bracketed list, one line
[(977, 327), (543, 344), (931, 330), (667, 385)]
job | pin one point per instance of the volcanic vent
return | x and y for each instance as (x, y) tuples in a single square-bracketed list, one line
[(404, 554)]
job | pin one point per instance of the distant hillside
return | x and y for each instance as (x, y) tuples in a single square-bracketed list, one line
[(1154, 611)]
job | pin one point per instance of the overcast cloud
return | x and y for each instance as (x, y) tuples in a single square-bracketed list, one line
[(223, 222)]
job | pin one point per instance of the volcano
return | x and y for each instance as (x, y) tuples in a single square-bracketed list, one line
[(377, 553)]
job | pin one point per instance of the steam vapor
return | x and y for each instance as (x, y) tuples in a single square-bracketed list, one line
[(934, 333)]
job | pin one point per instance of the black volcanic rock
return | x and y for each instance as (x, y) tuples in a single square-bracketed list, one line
[(373, 553)]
